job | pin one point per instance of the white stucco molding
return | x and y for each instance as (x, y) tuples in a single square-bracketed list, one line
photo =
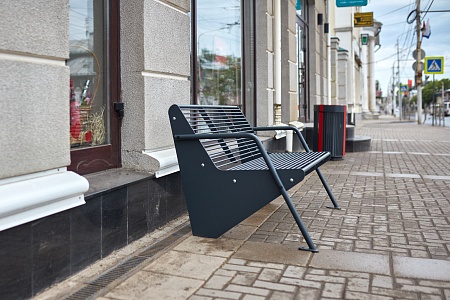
[(30, 197), (167, 161)]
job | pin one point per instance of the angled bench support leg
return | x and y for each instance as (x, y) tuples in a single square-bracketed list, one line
[(327, 188), (301, 226), (287, 199)]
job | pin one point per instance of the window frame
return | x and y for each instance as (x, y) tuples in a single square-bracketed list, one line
[(248, 46), (99, 158)]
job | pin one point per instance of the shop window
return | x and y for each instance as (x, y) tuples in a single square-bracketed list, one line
[(224, 56), (94, 85)]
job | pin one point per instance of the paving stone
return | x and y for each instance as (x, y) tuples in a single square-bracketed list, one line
[(351, 261), (272, 253), (333, 290), (253, 297), (148, 285), (270, 275), (324, 278), (301, 282), (245, 279), (217, 282), (358, 284), (294, 271), (248, 290), (213, 247), (266, 265), (186, 264), (241, 268), (307, 293), (361, 296), (382, 281), (274, 286), (422, 268), (218, 294)]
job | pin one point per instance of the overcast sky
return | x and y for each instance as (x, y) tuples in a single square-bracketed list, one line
[(393, 14)]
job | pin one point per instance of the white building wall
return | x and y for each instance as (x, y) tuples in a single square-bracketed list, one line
[(317, 56), (35, 144), (155, 60)]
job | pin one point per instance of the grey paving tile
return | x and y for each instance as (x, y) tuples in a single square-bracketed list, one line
[(423, 268), (272, 253), (351, 261)]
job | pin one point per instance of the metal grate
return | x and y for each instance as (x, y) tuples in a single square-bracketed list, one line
[(95, 287)]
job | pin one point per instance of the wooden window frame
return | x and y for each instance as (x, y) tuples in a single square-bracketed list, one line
[(108, 156)]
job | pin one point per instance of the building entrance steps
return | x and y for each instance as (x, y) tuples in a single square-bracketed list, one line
[(390, 240)]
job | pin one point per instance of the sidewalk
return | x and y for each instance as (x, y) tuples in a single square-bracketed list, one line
[(390, 240)]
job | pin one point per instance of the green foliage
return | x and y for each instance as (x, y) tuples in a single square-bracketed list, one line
[(427, 91)]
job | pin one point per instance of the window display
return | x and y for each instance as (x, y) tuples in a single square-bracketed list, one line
[(88, 106)]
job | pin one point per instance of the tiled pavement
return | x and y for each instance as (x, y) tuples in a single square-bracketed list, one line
[(390, 240)]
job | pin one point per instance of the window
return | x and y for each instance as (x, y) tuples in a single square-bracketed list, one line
[(224, 53), (94, 85), (302, 61)]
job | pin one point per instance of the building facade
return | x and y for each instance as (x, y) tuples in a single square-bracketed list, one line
[(88, 163)]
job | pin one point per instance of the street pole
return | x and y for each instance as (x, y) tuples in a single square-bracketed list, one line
[(418, 70), (399, 84)]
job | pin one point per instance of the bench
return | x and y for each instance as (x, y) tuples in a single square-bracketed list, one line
[(226, 172)]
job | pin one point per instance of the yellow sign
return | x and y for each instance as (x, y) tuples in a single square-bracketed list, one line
[(364, 19)]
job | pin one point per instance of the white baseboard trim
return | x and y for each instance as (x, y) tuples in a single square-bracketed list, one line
[(30, 197)]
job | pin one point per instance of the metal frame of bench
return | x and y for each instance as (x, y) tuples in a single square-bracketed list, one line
[(226, 172)]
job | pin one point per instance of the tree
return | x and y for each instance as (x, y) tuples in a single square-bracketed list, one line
[(427, 91)]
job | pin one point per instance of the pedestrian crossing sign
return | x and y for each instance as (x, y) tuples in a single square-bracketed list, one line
[(434, 65)]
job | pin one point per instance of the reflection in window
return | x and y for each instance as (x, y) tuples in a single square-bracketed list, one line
[(88, 111), (219, 58)]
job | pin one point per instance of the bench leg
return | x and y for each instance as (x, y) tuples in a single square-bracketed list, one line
[(327, 188), (301, 226)]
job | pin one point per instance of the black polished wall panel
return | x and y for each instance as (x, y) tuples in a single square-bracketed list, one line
[(176, 205), (85, 224), (50, 243), (157, 208), (35, 255), (15, 262), (138, 201), (114, 220)]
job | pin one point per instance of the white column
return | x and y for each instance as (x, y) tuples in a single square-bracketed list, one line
[(371, 75)]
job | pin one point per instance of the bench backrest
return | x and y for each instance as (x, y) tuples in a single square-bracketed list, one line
[(224, 153)]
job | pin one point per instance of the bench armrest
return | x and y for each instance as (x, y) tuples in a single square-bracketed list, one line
[(295, 129)]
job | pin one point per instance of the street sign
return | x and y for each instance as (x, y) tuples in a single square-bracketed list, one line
[(422, 54), (434, 65), (414, 66), (346, 3), (403, 88), (364, 19)]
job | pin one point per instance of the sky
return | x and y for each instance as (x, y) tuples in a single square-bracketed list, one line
[(396, 30)]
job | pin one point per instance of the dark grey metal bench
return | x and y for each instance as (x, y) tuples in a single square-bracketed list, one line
[(226, 172)]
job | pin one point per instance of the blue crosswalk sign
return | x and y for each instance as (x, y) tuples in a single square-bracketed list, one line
[(434, 65)]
